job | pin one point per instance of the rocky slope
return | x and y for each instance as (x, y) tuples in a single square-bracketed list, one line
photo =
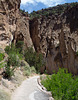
[(56, 36), (13, 26)]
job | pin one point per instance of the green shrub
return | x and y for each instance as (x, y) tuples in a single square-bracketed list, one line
[(13, 60), (62, 85), (1, 56), (33, 70), (12, 63), (9, 72), (14, 55), (11, 49), (19, 46), (7, 49), (2, 64), (14, 50), (34, 59), (27, 70)]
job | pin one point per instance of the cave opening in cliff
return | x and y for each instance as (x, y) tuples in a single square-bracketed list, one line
[(20, 37)]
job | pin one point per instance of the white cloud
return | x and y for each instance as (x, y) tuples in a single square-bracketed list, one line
[(27, 1), (45, 2)]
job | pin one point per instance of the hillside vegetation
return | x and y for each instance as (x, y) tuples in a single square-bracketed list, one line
[(57, 10), (17, 57), (63, 85)]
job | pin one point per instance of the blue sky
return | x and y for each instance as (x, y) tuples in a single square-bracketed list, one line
[(34, 5)]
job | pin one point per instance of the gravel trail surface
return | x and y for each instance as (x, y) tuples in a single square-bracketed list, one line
[(29, 90)]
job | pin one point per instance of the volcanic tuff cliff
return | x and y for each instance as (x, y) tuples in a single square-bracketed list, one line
[(55, 36), (13, 25)]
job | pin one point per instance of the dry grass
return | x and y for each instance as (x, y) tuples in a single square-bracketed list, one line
[(4, 95)]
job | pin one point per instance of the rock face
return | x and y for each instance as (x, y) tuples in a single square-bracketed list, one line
[(13, 25), (56, 37)]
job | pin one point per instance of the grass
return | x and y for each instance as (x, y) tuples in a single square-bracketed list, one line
[(29, 70)]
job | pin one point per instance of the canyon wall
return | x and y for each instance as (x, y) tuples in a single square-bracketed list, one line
[(56, 37), (13, 25)]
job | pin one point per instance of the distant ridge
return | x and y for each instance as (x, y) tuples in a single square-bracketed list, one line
[(56, 10)]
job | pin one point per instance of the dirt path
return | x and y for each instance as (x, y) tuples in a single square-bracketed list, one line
[(29, 91)]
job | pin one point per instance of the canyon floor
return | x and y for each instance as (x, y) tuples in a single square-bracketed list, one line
[(29, 90)]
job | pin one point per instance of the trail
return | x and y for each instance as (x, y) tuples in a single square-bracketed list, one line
[(29, 90)]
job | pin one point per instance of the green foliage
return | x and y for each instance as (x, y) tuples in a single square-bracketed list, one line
[(33, 70), (8, 49), (2, 64), (1, 56), (9, 72), (77, 53), (62, 85), (15, 53), (14, 50), (12, 63), (27, 70), (34, 59), (24, 13), (13, 60), (19, 46)]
